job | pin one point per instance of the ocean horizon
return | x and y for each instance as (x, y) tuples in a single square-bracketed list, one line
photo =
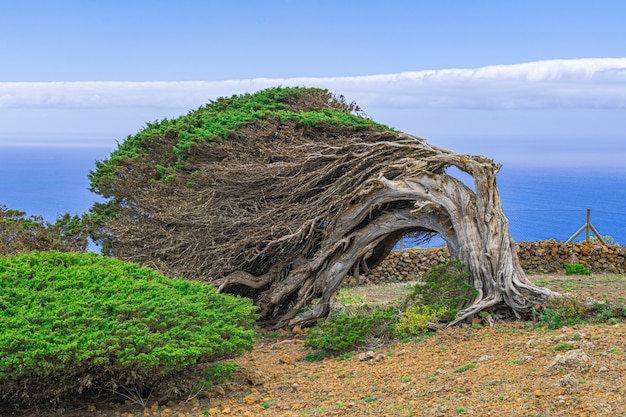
[(540, 203)]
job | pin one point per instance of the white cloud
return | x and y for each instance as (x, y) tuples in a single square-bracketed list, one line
[(579, 83)]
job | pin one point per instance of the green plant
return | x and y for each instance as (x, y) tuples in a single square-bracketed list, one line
[(444, 286), (73, 320), (562, 347), (466, 367), (345, 331), (19, 234), (414, 320), (576, 269), (348, 303), (607, 312), (346, 356), (561, 310), (318, 356), (609, 240), (218, 373)]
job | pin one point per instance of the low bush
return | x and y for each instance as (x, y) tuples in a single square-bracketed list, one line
[(414, 320), (563, 310), (444, 287), (346, 331), (77, 321), (576, 269)]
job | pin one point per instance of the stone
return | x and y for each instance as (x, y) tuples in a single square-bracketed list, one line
[(571, 359), (366, 356)]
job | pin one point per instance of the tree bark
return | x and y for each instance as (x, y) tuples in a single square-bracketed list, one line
[(472, 223)]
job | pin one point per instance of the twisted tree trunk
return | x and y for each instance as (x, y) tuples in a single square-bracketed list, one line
[(472, 223)]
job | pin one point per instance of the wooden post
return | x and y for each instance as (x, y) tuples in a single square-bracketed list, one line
[(588, 227)]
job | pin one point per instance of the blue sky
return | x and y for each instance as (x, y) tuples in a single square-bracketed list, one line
[(528, 82)]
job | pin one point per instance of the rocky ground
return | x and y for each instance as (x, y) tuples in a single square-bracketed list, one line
[(510, 369)]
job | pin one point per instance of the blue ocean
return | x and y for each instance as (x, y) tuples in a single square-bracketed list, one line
[(540, 203)]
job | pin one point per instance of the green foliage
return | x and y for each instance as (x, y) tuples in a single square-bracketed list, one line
[(74, 320), (318, 355), (562, 310), (218, 373), (218, 119), (465, 367), (19, 233), (576, 269), (607, 312), (346, 331), (444, 287), (562, 347), (609, 240), (414, 319), (351, 304)]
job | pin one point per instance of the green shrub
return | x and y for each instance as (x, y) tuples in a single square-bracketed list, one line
[(607, 312), (413, 320), (345, 331), (71, 321), (576, 269), (444, 286), (562, 310)]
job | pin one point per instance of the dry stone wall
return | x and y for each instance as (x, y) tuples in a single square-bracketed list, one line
[(547, 256)]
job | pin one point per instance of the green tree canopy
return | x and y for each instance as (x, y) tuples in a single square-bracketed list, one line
[(19, 233)]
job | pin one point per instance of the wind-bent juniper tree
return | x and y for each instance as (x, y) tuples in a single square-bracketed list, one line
[(279, 195)]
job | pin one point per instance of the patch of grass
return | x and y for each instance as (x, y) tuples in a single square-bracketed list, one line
[(318, 355), (562, 347), (465, 367)]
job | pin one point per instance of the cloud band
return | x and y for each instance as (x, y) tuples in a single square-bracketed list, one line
[(579, 83)]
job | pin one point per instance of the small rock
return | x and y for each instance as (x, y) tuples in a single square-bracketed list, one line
[(573, 358), (484, 358), (568, 381), (587, 345), (366, 356)]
